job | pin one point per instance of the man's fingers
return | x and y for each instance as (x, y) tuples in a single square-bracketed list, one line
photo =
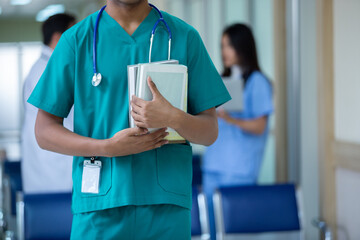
[(137, 101), (158, 132), (156, 145), (140, 124), (161, 143), (136, 117), (137, 131), (135, 108), (154, 140), (151, 137), (161, 137), (154, 135), (152, 87)]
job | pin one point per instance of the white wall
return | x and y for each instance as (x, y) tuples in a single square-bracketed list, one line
[(27, 30), (237, 11), (347, 204), (347, 110), (263, 27), (347, 69), (309, 169), (262, 19)]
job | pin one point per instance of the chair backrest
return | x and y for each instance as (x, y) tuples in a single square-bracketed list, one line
[(199, 215), (197, 173), (195, 215), (256, 209), (45, 216), (12, 171)]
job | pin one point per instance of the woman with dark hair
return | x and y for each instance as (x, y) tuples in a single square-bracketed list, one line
[(236, 156)]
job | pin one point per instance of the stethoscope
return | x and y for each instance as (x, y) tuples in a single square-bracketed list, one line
[(96, 79)]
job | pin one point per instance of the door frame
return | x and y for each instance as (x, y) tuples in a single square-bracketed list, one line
[(325, 61)]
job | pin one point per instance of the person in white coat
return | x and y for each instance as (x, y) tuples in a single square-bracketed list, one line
[(44, 171)]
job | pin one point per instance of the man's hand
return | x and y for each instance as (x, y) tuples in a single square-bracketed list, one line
[(156, 113), (135, 140)]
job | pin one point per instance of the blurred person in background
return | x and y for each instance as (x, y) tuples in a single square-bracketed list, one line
[(236, 156), (44, 171)]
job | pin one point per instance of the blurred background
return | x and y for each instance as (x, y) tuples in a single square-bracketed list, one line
[(308, 49)]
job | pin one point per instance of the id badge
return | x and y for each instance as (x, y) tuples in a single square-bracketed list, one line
[(91, 176)]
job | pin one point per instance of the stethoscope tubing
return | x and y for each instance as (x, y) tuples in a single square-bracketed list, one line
[(97, 76)]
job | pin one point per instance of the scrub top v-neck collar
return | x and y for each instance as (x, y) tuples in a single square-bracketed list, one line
[(143, 31)]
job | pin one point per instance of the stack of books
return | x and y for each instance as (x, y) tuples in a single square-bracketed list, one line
[(171, 79)]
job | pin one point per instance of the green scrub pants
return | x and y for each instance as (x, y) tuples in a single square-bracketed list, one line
[(146, 222)]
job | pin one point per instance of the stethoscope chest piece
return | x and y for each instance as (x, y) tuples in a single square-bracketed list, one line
[(96, 79)]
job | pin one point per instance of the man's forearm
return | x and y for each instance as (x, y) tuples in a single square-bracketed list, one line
[(53, 136), (200, 129)]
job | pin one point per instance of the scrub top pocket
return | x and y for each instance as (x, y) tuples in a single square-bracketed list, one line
[(174, 168), (105, 177)]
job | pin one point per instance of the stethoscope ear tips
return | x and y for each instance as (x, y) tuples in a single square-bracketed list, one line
[(96, 79)]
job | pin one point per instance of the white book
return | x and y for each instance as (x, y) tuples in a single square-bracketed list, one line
[(172, 82), (235, 89), (132, 78)]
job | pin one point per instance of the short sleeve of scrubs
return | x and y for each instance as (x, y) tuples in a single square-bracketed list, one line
[(206, 88), (54, 92), (261, 96)]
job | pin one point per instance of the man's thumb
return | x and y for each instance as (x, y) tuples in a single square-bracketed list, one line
[(152, 87)]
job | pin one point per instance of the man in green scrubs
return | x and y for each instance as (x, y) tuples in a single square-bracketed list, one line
[(145, 183)]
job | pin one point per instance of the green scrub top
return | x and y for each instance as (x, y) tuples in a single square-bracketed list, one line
[(159, 176)]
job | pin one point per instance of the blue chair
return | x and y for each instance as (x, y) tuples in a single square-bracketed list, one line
[(199, 216), (12, 181), (256, 209), (10, 173), (44, 216), (197, 173)]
